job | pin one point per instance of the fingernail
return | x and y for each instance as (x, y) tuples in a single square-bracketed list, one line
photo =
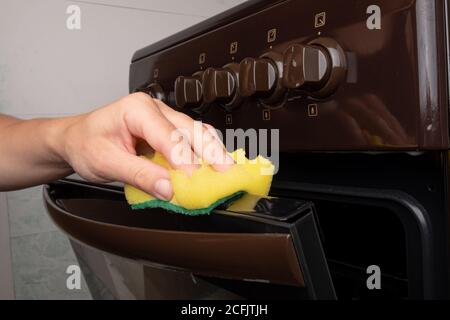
[(229, 159), (163, 189), (224, 164)]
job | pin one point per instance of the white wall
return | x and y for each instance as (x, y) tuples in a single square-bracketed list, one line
[(46, 69)]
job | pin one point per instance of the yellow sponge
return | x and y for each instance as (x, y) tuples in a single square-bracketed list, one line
[(206, 188)]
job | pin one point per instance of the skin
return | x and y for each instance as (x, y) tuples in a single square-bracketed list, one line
[(103, 146)]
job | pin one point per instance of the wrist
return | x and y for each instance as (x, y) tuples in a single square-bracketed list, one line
[(58, 137)]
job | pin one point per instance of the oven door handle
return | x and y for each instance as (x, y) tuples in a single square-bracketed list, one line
[(246, 249)]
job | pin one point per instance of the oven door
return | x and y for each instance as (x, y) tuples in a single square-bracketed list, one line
[(269, 250)]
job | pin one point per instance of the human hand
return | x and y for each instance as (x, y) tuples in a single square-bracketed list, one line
[(101, 146)]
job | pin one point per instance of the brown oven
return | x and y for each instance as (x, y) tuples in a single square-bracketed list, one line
[(359, 95)]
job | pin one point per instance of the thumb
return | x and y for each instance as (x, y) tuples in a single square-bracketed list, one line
[(142, 174)]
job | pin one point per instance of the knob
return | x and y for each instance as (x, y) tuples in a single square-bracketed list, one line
[(305, 66), (155, 91), (257, 77), (188, 91), (317, 68), (219, 85)]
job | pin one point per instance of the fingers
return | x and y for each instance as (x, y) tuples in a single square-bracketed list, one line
[(146, 121), (378, 105), (213, 151), (374, 122), (142, 174), (202, 137)]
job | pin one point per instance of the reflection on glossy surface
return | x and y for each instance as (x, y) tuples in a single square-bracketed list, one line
[(110, 276), (274, 208), (246, 203), (371, 122)]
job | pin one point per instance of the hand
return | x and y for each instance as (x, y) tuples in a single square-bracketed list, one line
[(101, 146)]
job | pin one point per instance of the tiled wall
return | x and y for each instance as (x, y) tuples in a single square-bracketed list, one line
[(48, 70)]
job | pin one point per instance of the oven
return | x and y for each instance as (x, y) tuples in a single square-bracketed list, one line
[(351, 99)]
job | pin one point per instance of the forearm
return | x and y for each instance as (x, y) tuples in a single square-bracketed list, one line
[(31, 151)]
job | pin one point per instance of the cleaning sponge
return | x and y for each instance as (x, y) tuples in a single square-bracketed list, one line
[(206, 188)]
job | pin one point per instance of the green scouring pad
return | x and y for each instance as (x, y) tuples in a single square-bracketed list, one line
[(156, 203)]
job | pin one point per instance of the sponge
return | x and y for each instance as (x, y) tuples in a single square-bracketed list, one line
[(206, 188)]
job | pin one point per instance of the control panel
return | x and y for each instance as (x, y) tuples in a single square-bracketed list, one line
[(315, 70), (328, 76)]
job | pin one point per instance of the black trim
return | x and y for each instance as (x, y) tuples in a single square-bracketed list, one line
[(447, 53), (414, 217)]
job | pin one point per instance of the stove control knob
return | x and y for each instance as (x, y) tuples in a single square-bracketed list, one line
[(188, 91), (317, 68), (155, 91), (257, 76), (219, 85), (305, 66)]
